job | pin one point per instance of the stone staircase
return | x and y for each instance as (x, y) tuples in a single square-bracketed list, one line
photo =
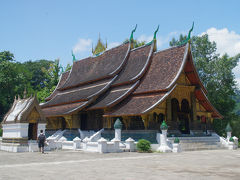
[(149, 135), (199, 143)]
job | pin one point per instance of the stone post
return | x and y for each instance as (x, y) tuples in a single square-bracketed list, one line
[(235, 139), (176, 146), (116, 145), (118, 129), (163, 139), (102, 145), (130, 144), (231, 144), (76, 143), (229, 131)]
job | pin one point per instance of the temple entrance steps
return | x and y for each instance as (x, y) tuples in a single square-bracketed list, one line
[(85, 133), (199, 143), (70, 134), (149, 135), (56, 135)]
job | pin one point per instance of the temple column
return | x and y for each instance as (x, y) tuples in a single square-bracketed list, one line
[(105, 122), (68, 120), (169, 109), (126, 121), (194, 107), (52, 123), (145, 119), (193, 112)]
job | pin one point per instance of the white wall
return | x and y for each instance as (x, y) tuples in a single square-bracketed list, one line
[(17, 130)]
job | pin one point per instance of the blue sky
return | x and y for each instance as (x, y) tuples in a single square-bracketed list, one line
[(50, 29)]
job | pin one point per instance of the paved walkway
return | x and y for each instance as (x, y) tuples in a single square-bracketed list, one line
[(214, 164)]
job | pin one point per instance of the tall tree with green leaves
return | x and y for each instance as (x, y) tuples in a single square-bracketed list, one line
[(52, 76), (136, 43), (13, 80)]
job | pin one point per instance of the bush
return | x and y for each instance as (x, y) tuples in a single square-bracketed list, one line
[(1, 132), (143, 146), (176, 140)]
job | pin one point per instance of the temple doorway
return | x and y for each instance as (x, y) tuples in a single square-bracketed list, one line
[(180, 116), (184, 117), (83, 119), (32, 131), (63, 124)]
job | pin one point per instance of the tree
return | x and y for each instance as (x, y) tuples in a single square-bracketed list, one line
[(136, 43), (216, 74), (68, 67), (13, 80), (38, 70), (6, 56), (52, 77)]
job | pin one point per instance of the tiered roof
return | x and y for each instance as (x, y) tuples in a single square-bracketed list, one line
[(125, 81), (21, 109)]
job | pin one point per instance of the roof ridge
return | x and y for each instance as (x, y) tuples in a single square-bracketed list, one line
[(170, 48)]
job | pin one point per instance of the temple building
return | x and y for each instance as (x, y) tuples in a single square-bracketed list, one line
[(141, 86)]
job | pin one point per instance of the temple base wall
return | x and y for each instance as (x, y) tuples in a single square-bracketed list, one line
[(18, 130)]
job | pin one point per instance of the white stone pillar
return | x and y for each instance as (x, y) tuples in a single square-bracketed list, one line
[(163, 139), (229, 134), (175, 148), (228, 129), (76, 143), (118, 129), (118, 133), (102, 145), (230, 145), (130, 145), (116, 145)]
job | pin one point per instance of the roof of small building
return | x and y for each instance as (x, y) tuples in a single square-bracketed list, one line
[(21, 109)]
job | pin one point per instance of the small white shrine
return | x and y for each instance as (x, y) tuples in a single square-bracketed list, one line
[(21, 126)]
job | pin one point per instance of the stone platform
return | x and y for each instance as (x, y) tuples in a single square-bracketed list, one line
[(214, 164)]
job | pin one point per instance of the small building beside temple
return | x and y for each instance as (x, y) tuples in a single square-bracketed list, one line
[(22, 124), (141, 86)]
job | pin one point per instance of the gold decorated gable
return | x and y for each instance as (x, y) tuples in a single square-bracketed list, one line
[(33, 116)]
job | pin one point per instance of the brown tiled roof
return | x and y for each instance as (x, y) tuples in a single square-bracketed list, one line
[(94, 68), (203, 100), (61, 110), (135, 105), (192, 74), (136, 64), (81, 93), (164, 67), (113, 96), (62, 80)]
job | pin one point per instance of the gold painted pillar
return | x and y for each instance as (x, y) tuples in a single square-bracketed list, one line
[(53, 123), (169, 109), (69, 120), (145, 119), (194, 107), (126, 121)]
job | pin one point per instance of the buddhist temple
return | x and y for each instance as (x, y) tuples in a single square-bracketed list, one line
[(140, 86)]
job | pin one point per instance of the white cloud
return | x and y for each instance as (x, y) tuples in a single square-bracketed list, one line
[(227, 41), (113, 44), (162, 41), (238, 81), (82, 45), (145, 38)]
